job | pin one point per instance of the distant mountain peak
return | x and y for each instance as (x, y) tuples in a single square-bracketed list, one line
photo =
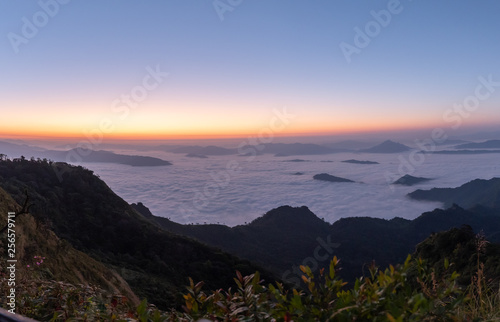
[(330, 178), (388, 146), (287, 215), (408, 180)]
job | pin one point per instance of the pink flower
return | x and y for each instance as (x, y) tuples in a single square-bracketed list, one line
[(37, 263), (27, 266)]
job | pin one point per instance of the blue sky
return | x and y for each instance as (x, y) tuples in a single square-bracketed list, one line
[(225, 77)]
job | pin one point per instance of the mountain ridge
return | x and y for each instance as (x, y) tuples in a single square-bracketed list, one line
[(478, 191), (387, 146), (83, 210), (357, 240)]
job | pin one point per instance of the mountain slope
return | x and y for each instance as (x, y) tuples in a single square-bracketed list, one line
[(330, 178), (198, 150), (387, 147), (460, 247), (78, 155), (479, 191), (287, 237), (490, 144), (83, 210), (62, 262), (276, 240), (408, 180)]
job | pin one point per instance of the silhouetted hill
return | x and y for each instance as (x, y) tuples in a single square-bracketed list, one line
[(83, 210), (476, 192), (349, 145), (451, 142), (387, 147), (278, 149), (143, 210), (276, 240), (287, 237), (62, 262), (286, 149), (464, 151), (408, 180), (490, 144), (77, 155), (14, 150), (194, 155), (196, 149), (360, 162), (330, 178)]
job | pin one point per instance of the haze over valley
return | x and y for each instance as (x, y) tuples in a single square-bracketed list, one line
[(229, 186)]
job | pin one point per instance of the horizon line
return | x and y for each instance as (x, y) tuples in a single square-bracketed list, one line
[(102, 137)]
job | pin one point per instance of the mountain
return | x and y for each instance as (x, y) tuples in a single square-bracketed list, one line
[(78, 155), (476, 192), (330, 178), (271, 240), (198, 150), (84, 211), (387, 147), (464, 151), (198, 156), (408, 180), (451, 142), (360, 162), (287, 149), (287, 237), (349, 145), (14, 150), (490, 144), (62, 262)]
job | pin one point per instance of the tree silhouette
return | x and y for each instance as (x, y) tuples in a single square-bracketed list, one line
[(24, 210)]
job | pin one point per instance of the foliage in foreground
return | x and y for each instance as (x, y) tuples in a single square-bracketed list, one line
[(409, 292)]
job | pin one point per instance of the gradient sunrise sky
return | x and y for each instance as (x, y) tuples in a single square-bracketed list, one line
[(338, 66)]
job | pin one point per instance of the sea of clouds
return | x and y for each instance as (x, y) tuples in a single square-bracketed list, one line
[(235, 189)]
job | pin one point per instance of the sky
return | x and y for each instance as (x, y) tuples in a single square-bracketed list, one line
[(226, 68)]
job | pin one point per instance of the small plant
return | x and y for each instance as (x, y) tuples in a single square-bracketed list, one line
[(409, 292), (413, 291), (37, 261)]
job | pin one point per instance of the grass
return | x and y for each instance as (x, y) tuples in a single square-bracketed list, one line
[(408, 292)]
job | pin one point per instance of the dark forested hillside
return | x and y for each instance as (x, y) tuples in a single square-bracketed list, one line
[(287, 237), (59, 260), (83, 210), (476, 192), (466, 249)]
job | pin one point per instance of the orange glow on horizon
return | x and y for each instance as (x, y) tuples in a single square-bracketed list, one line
[(49, 135), (296, 127)]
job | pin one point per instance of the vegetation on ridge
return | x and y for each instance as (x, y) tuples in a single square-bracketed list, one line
[(81, 209), (416, 290)]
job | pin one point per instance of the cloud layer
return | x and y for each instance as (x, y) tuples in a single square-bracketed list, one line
[(234, 189)]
